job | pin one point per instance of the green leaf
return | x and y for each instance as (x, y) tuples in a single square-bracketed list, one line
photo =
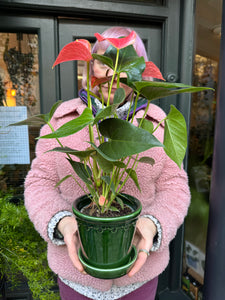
[(106, 112), (104, 164), (101, 153), (84, 172), (63, 179), (38, 120), (147, 160), (53, 109), (133, 176), (113, 208), (125, 139), (107, 180), (169, 85), (103, 59), (72, 126), (120, 201), (146, 125), (80, 154), (119, 96), (119, 164), (134, 69), (156, 90), (125, 55), (129, 62), (175, 136)]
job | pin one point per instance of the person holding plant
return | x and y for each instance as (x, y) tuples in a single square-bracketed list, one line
[(163, 188)]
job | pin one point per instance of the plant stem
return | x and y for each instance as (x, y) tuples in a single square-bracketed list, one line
[(159, 124), (61, 145), (135, 106), (114, 74), (131, 101), (132, 168), (91, 134)]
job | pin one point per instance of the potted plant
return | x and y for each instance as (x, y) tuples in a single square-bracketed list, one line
[(106, 217), (23, 257)]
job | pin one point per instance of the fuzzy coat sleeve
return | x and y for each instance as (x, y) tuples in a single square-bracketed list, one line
[(42, 198), (165, 190), (172, 199)]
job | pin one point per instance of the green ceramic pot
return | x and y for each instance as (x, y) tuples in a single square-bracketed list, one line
[(106, 243)]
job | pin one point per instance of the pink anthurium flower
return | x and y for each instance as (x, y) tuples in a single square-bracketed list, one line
[(77, 50), (102, 200), (118, 43), (152, 71)]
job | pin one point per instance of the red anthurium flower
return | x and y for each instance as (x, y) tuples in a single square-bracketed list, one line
[(77, 50), (152, 71), (97, 81), (118, 43)]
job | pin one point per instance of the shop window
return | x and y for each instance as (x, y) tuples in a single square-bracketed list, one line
[(199, 170), (19, 96)]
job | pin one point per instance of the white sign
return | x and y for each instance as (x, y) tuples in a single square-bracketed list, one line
[(14, 140)]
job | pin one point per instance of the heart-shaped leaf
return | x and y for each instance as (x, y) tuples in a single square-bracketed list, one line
[(72, 126), (126, 142), (103, 59), (83, 171), (175, 136), (157, 90), (146, 124), (79, 154), (40, 119), (133, 176), (129, 62), (108, 181), (147, 160), (63, 179), (120, 202), (119, 96), (53, 109), (106, 112), (133, 68), (36, 120), (105, 165)]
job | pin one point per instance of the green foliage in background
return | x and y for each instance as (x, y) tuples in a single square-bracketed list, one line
[(23, 251)]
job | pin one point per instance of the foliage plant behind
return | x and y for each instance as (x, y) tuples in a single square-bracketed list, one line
[(23, 251), (111, 159)]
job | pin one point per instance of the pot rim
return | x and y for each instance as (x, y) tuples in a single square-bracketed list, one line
[(133, 214)]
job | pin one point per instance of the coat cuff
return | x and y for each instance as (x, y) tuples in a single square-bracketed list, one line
[(158, 237), (53, 233)]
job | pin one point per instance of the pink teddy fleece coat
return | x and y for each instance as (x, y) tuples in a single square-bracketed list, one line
[(164, 194)]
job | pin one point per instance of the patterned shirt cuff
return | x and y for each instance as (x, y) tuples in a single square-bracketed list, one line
[(55, 236), (158, 237)]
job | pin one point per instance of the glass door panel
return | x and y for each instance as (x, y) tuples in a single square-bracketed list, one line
[(19, 97), (201, 140)]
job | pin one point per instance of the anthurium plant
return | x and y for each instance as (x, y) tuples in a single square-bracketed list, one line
[(111, 159)]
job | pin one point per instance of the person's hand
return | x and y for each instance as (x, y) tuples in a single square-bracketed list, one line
[(68, 227), (144, 235)]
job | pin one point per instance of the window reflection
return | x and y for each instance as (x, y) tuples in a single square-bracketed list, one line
[(19, 80), (199, 171), (19, 86)]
